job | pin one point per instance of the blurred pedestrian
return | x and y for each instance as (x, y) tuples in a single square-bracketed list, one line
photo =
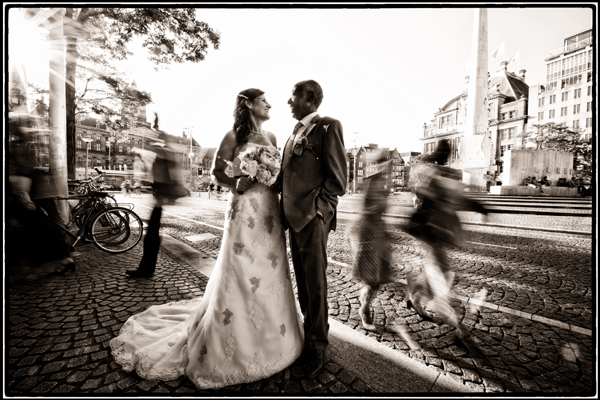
[(370, 241), (20, 166), (137, 187), (416, 201), (128, 188), (32, 210), (123, 190), (167, 187), (437, 226)]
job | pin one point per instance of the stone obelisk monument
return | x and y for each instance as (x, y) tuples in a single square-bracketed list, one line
[(475, 147)]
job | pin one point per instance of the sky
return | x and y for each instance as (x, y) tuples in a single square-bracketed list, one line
[(384, 71)]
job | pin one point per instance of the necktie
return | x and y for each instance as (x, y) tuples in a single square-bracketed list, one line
[(297, 127), (290, 147)]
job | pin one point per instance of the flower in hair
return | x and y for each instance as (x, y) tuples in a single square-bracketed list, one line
[(243, 96)]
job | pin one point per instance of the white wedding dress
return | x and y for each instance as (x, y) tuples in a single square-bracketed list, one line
[(245, 328)]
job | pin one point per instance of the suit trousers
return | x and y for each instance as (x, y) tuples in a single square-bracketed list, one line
[(151, 242), (309, 256)]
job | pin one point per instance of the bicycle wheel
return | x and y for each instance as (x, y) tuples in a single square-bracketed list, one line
[(116, 230), (111, 201)]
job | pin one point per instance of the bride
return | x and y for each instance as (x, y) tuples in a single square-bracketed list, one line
[(247, 326)]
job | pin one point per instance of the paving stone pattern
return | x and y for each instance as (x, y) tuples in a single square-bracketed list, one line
[(59, 328), (544, 274)]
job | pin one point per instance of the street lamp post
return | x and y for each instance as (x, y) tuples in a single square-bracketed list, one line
[(354, 152), (189, 131), (87, 149), (108, 145)]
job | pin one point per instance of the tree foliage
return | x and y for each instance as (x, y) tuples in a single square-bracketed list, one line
[(94, 85), (553, 136)]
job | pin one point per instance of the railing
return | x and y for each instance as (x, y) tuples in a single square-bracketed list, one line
[(570, 48)]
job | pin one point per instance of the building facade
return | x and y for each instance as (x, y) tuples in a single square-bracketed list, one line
[(507, 105), (365, 157), (566, 95), (100, 148)]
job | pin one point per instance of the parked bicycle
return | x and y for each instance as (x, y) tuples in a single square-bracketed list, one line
[(92, 184), (113, 229)]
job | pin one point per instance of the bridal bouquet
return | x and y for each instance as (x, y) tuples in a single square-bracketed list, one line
[(261, 163)]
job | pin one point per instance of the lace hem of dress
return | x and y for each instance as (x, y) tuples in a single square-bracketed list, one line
[(141, 363), (253, 373), (216, 379)]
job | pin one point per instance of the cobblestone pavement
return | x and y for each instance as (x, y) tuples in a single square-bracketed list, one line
[(59, 329), (531, 334)]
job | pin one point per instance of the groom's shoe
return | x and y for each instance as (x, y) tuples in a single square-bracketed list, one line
[(136, 273), (315, 364)]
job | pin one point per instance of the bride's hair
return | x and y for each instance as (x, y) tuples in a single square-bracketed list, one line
[(241, 114)]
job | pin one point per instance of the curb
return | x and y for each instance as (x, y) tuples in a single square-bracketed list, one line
[(530, 228), (376, 364)]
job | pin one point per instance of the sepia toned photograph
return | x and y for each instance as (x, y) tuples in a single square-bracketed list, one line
[(300, 200)]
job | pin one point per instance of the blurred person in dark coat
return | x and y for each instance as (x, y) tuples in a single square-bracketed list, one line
[(32, 209), (370, 241), (437, 226), (168, 186)]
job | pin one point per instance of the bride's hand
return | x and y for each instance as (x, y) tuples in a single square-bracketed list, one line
[(243, 184)]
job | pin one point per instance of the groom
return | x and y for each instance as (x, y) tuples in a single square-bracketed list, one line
[(313, 176)]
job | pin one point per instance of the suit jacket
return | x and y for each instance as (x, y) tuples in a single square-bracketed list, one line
[(314, 179)]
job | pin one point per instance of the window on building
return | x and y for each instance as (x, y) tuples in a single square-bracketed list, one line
[(445, 121), (79, 144), (565, 96), (589, 90), (360, 172), (576, 108), (540, 101), (576, 124), (507, 134), (503, 116), (98, 146), (503, 149), (589, 106), (588, 122), (120, 148), (576, 93), (360, 164), (454, 144), (551, 113), (541, 115), (512, 114), (563, 111)]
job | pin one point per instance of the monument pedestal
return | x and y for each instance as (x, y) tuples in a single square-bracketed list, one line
[(474, 161), (474, 178)]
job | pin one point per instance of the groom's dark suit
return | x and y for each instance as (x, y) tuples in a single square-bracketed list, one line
[(311, 184)]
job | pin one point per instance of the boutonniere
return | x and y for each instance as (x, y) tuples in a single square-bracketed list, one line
[(325, 127), (301, 142)]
